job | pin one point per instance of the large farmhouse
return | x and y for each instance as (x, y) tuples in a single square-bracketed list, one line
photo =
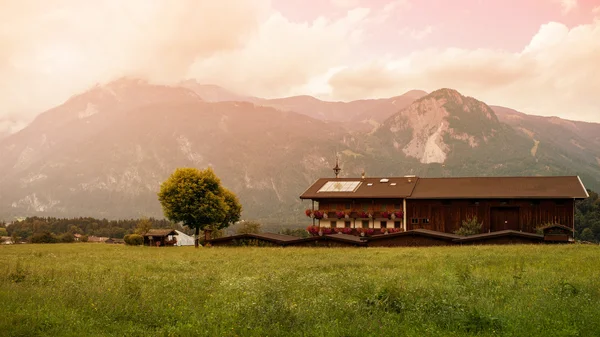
[(442, 204)]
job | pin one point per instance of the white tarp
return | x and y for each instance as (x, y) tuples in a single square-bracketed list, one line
[(184, 239)]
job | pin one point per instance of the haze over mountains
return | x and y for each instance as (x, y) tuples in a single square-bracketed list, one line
[(104, 153)]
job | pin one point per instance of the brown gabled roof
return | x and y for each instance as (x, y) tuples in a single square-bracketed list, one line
[(161, 232), (558, 187), (274, 236), (271, 237), (345, 238), (508, 232), (417, 232), (395, 187), (557, 226), (500, 187)]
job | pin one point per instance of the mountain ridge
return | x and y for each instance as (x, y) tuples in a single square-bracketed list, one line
[(108, 160)]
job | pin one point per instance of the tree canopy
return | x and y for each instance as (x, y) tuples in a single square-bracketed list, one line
[(197, 200)]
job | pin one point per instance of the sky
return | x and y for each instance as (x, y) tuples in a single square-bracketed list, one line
[(537, 56)]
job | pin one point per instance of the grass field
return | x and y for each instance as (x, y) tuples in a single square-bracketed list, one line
[(100, 290)]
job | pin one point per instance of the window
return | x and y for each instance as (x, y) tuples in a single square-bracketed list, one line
[(397, 224), (397, 206), (333, 206), (339, 186), (365, 224), (383, 224), (414, 221), (333, 224), (348, 205), (347, 224), (365, 206), (383, 207), (425, 220)]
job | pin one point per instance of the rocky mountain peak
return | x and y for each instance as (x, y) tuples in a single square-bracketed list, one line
[(427, 129)]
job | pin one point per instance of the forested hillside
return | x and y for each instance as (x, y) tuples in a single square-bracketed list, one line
[(587, 218)]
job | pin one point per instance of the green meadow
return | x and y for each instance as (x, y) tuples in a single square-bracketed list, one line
[(113, 290)]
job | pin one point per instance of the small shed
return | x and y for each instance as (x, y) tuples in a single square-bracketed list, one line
[(557, 233), (330, 240), (184, 239), (115, 241), (412, 238), (260, 239), (160, 237), (505, 237)]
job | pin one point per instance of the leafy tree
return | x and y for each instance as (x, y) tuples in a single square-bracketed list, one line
[(133, 239), (3, 231), (75, 230), (143, 226), (587, 218), (249, 227), (587, 235), (197, 200), (67, 237), (469, 227), (299, 232), (44, 237)]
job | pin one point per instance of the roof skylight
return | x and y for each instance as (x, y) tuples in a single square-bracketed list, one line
[(339, 186)]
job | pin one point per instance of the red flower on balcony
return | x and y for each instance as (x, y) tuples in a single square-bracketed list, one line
[(327, 230), (346, 230), (363, 214), (399, 214), (340, 214), (308, 212), (313, 230), (318, 214), (385, 214)]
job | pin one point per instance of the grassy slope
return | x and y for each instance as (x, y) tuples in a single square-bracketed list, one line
[(97, 290)]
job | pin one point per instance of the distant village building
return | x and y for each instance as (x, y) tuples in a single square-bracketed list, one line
[(183, 239), (160, 237)]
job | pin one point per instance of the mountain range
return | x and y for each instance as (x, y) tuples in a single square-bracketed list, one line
[(104, 152)]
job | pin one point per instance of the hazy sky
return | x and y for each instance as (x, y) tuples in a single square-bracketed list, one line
[(537, 56)]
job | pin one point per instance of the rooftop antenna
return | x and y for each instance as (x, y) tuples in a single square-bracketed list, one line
[(337, 168)]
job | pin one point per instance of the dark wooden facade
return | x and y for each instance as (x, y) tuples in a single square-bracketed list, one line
[(495, 214)]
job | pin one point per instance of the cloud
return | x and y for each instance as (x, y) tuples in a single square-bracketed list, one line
[(417, 34), (54, 49), (557, 73), (389, 10), (567, 5), (284, 56), (345, 3), (596, 11)]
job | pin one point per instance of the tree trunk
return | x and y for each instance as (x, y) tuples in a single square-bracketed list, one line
[(196, 237)]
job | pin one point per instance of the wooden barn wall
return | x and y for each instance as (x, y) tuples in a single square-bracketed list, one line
[(447, 215)]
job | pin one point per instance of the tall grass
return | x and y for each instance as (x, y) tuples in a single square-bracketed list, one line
[(100, 290)]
